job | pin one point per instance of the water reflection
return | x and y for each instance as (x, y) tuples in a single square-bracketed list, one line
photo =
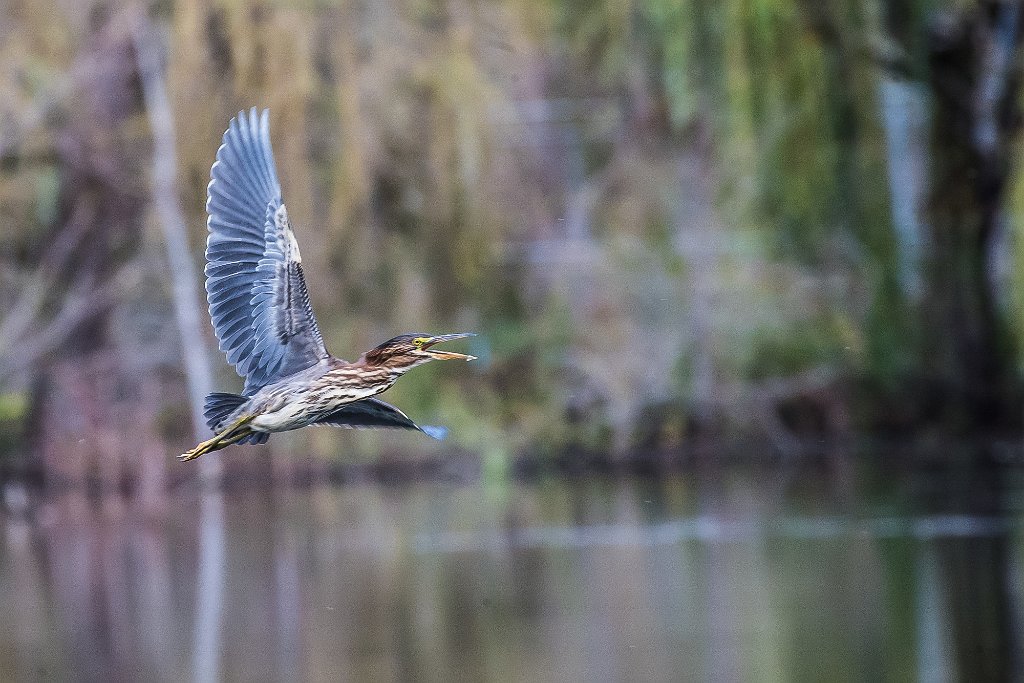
[(740, 574)]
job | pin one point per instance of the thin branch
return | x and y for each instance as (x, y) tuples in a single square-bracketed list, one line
[(84, 302), (24, 312), (172, 221)]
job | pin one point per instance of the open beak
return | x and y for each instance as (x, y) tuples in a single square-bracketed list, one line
[(447, 355)]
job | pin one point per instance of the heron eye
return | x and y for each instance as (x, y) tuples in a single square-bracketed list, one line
[(418, 342)]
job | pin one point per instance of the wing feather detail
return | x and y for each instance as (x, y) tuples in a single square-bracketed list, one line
[(257, 293), (372, 412)]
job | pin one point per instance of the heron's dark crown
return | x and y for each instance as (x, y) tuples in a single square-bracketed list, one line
[(397, 352), (402, 340)]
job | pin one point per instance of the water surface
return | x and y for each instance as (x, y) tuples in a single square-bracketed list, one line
[(825, 573)]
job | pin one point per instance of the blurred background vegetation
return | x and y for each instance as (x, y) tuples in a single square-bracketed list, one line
[(668, 220)]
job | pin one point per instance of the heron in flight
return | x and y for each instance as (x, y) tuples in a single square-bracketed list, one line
[(264, 320)]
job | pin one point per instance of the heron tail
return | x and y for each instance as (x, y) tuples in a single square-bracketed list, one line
[(219, 405)]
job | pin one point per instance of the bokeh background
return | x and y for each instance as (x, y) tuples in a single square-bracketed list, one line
[(746, 278)]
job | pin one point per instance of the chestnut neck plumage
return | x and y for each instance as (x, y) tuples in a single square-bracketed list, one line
[(375, 367)]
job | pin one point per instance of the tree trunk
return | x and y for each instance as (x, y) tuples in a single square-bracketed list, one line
[(974, 77)]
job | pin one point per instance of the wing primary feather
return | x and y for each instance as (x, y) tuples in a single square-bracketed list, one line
[(372, 412), (258, 299), (240, 150)]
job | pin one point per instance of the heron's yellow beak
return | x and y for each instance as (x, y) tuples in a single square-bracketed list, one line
[(446, 355)]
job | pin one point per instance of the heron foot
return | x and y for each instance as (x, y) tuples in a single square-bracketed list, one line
[(234, 433), (204, 447)]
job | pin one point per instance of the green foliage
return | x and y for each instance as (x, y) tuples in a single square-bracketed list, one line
[(629, 200), (676, 43), (13, 412), (782, 351)]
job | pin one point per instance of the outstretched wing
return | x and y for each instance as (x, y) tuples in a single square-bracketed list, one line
[(258, 300), (371, 412)]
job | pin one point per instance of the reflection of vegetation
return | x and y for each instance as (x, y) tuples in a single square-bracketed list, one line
[(638, 204), (670, 579)]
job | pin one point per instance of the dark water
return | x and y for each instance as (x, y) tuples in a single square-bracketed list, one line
[(829, 573)]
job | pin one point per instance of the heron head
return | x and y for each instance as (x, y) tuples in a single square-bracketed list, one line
[(406, 351)]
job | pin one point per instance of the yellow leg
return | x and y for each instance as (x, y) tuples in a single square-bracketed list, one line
[(214, 444), (232, 434)]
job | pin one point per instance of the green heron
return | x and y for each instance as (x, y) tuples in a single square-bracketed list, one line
[(264, 320)]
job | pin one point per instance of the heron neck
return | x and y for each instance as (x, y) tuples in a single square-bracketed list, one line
[(384, 370)]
